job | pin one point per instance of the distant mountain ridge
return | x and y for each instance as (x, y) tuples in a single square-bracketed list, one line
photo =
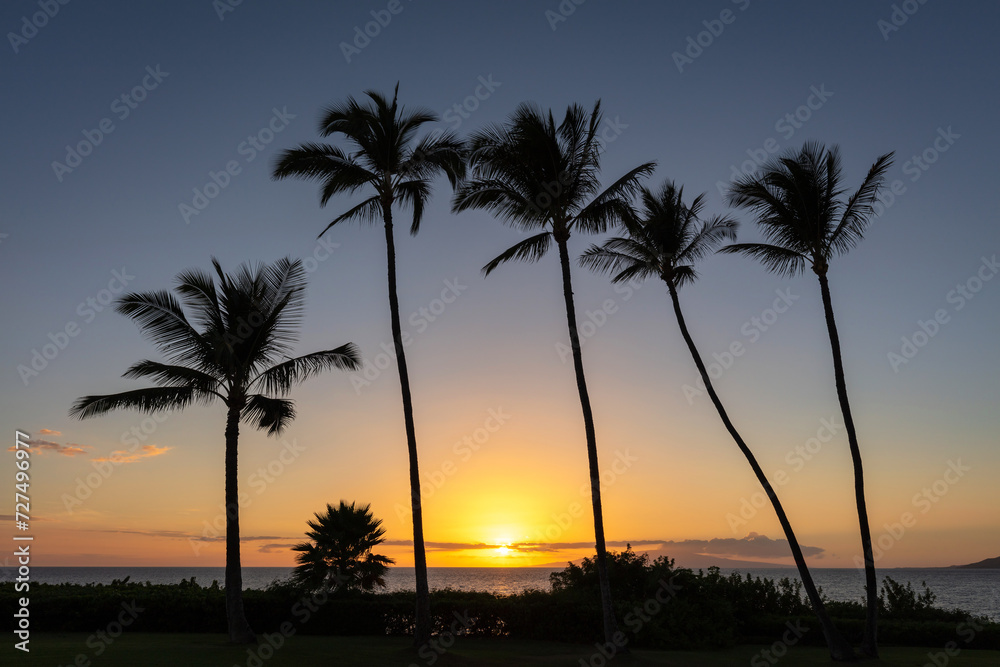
[(989, 563)]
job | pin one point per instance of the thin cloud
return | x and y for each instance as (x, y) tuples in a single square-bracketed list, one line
[(123, 456), (183, 535), (46, 431), (45, 447), (751, 546)]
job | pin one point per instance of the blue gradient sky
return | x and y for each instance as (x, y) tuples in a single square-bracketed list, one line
[(495, 345)]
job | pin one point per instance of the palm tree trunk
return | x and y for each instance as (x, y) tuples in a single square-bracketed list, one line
[(869, 645), (422, 625), (610, 624), (840, 648), (239, 628)]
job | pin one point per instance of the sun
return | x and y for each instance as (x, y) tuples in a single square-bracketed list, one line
[(503, 550)]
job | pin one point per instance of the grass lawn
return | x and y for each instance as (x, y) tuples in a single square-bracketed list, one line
[(196, 650)]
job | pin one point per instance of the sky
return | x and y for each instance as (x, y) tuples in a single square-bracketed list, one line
[(139, 143)]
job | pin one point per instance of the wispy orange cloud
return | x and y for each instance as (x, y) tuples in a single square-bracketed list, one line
[(751, 546), (43, 447), (46, 431), (124, 456)]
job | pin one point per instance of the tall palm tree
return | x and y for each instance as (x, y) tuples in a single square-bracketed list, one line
[(339, 555), (388, 162), (665, 241), (233, 348), (535, 175), (797, 202)]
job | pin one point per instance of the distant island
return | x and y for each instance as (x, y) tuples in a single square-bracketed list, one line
[(989, 563)]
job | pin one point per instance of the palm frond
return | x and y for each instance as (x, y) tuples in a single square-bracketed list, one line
[(529, 250), (414, 194), (708, 237), (367, 212), (152, 399), (594, 217), (434, 154), (197, 290), (265, 412), (281, 378), (860, 207), (337, 171), (173, 375), (782, 261), (160, 318)]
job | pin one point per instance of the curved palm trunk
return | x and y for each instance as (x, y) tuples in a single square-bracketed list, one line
[(239, 628), (610, 624), (422, 626), (840, 649), (869, 644)]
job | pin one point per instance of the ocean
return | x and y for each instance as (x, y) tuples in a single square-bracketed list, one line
[(975, 591)]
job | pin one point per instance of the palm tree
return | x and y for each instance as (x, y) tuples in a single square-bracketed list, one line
[(665, 242), (339, 556), (797, 202), (234, 348), (393, 167), (535, 175)]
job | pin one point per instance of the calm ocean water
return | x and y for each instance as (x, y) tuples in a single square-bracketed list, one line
[(976, 591)]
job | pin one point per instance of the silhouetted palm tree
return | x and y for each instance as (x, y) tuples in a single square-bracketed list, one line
[(665, 241), (535, 175), (233, 349), (387, 162), (339, 555), (796, 200)]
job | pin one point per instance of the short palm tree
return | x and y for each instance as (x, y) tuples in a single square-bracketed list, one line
[(538, 176), (234, 348), (339, 555), (797, 202), (387, 162), (665, 241)]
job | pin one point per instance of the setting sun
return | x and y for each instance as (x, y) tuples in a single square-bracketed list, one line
[(503, 550)]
